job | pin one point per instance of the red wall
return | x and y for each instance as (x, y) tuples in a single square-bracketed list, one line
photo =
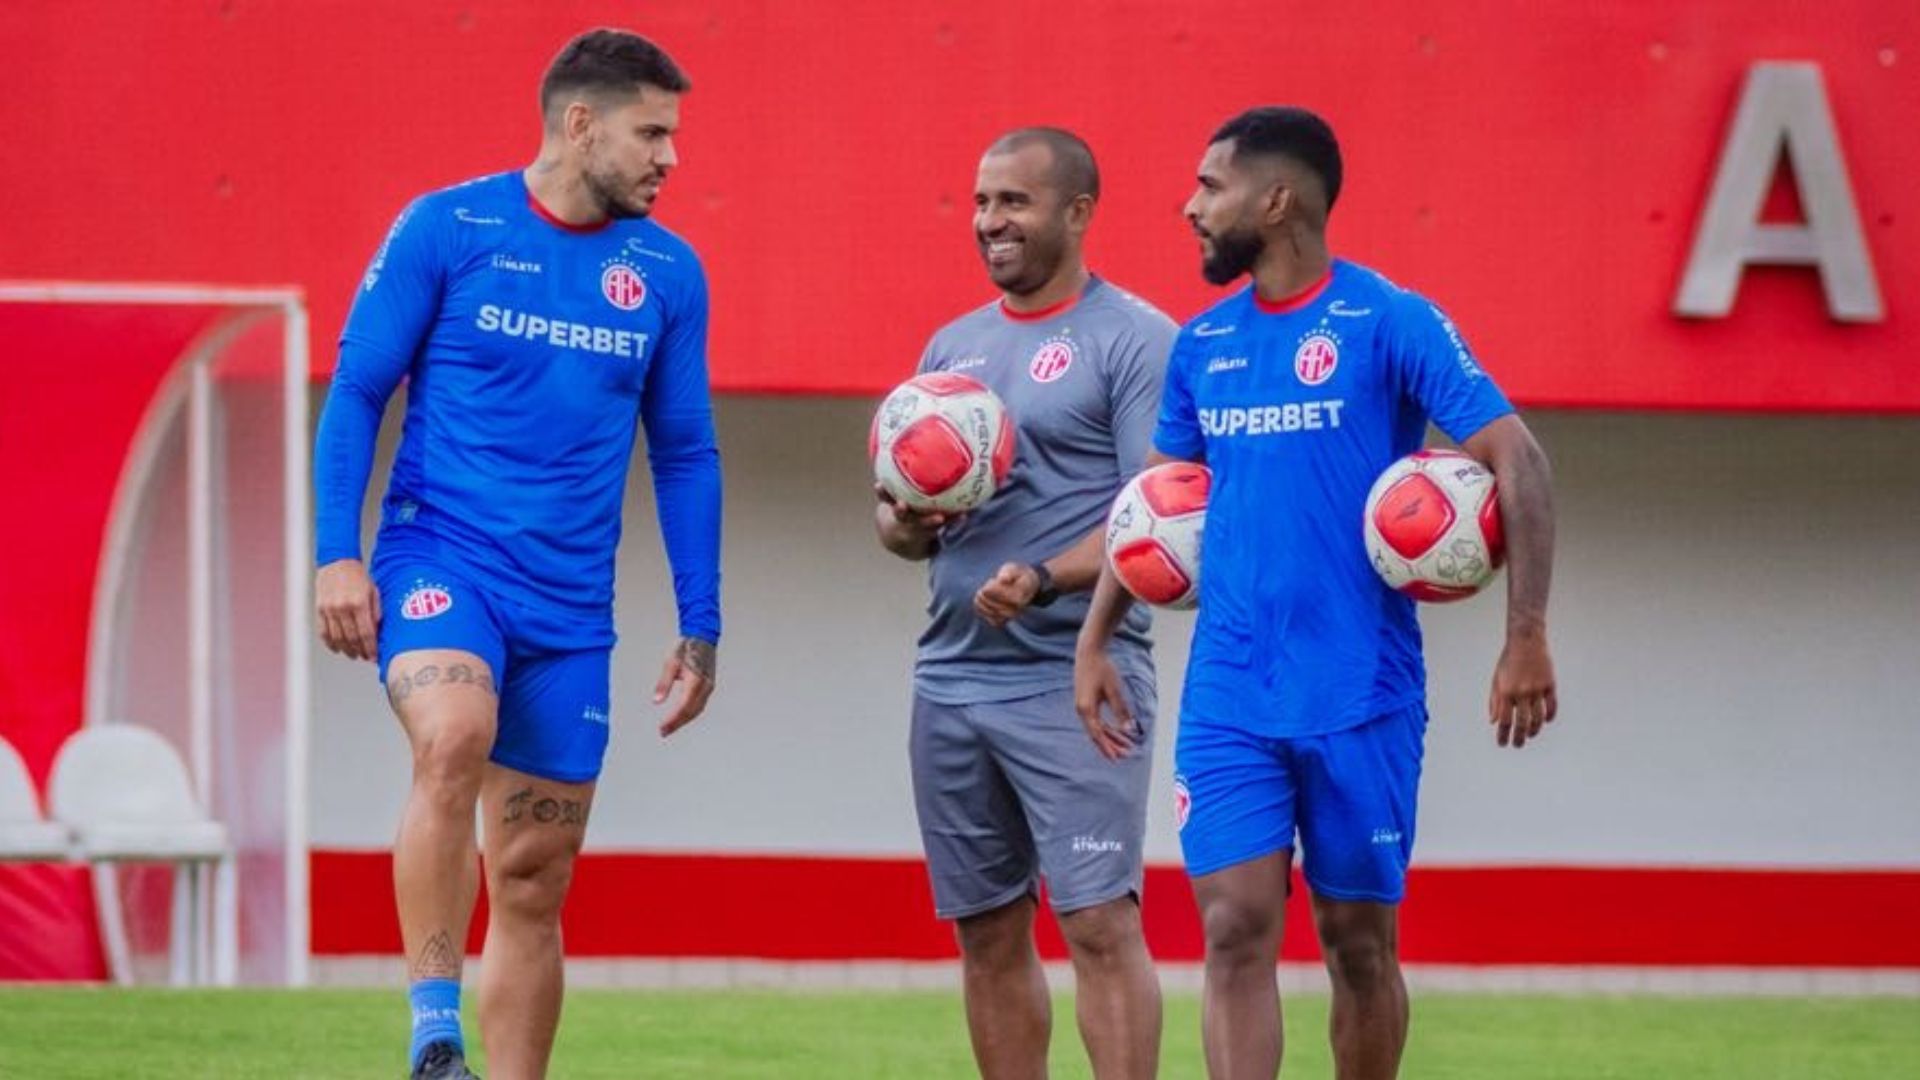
[(882, 909), (1538, 169)]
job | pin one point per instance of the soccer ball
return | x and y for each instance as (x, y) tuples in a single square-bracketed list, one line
[(1433, 525), (941, 442), (1153, 533)]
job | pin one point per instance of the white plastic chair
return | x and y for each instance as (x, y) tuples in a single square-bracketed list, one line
[(25, 835), (124, 792)]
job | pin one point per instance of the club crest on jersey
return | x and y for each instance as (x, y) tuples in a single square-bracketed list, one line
[(425, 601), (622, 285), (1317, 356), (1182, 803), (1051, 360)]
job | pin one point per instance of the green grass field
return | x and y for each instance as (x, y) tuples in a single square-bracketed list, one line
[(87, 1033)]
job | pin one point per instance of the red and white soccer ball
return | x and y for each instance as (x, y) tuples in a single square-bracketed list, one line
[(1153, 533), (1433, 525), (941, 442)]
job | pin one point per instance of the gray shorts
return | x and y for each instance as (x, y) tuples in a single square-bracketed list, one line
[(1009, 792)]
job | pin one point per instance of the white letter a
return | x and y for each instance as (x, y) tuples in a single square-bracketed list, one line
[(1783, 105)]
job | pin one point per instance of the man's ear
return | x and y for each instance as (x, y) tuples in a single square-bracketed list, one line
[(1080, 212), (577, 122), (1280, 204)]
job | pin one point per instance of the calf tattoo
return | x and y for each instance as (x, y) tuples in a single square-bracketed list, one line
[(403, 684), (544, 810), (437, 959)]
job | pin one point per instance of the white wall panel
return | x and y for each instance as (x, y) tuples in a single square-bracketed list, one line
[(1736, 619)]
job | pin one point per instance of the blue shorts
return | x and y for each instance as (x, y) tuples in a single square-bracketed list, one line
[(553, 699), (1349, 795)]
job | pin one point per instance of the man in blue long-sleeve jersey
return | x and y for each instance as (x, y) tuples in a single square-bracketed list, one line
[(542, 319)]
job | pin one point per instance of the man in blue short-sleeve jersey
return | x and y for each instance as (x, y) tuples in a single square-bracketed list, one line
[(1304, 711), (542, 321)]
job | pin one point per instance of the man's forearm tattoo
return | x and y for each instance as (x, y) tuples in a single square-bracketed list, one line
[(544, 810), (700, 657), (404, 684), (437, 959)]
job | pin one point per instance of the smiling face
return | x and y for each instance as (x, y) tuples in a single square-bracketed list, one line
[(626, 149), (1027, 228)]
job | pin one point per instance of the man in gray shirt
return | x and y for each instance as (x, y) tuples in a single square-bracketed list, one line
[(1008, 789)]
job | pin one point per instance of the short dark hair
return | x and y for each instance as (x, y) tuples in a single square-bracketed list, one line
[(613, 61), (1287, 131), (1074, 171)]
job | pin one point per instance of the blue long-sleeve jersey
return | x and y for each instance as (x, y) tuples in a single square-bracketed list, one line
[(534, 352)]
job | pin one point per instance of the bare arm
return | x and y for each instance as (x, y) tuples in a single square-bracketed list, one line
[(1523, 697), (908, 533), (1096, 682), (1015, 585)]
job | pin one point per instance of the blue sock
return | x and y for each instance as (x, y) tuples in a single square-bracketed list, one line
[(436, 1015)]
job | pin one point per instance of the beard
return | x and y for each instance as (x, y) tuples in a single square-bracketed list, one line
[(612, 192), (1234, 253)]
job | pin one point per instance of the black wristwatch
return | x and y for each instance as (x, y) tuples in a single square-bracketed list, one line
[(1046, 593)]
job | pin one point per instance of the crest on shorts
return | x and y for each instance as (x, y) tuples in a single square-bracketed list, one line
[(425, 601), (622, 285), (1182, 803), (1051, 360), (1317, 356)]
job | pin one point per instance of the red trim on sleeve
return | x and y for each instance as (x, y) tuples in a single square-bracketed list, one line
[(1298, 300)]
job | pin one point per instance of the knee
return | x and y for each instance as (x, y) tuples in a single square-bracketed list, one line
[(1103, 934), (1241, 933), (1359, 961), (449, 759), (1002, 936), (530, 892)]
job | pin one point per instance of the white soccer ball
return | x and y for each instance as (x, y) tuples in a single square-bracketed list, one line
[(1433, 526), (1153, 533), (941, 442)]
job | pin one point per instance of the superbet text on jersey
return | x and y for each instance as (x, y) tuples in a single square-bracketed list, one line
[(531, 347), (1296, 407)]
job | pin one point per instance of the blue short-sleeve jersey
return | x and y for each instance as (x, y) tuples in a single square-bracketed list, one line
[(1297, 408), (535, 353)]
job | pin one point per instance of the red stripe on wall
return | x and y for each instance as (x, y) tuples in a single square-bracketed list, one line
[(784, 908)]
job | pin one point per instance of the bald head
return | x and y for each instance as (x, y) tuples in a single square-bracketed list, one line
[(1071, 170)]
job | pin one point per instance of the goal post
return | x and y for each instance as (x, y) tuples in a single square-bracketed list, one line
[(176, 418)]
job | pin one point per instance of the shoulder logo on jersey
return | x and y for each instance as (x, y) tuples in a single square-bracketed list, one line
[(1461, 354), (1182, 803), (622, 284), (1339, 307), (1210, 330), (461, 213), (1051, 360), (425, 601), (639, 247), (379, 262), (1317, 357)]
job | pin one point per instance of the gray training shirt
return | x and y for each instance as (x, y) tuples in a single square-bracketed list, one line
[(1082, 383)]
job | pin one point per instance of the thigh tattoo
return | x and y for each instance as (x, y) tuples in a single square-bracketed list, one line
[(402, 685), (529, 806)]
